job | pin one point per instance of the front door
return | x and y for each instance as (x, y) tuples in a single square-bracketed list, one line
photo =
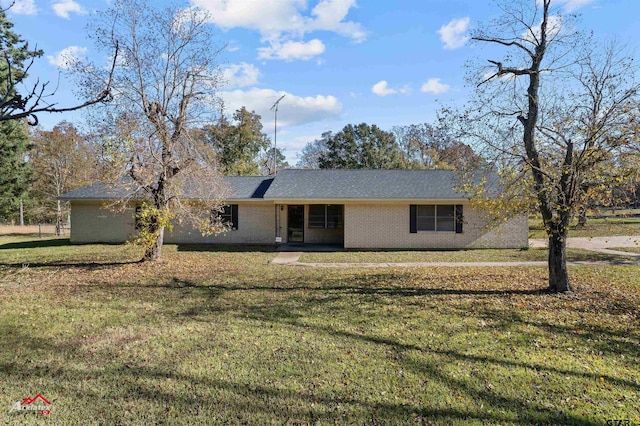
[(295, 224)]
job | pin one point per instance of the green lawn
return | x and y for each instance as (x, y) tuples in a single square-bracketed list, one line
[(596, 227), (628, 249), (452, 256), (224, 337)]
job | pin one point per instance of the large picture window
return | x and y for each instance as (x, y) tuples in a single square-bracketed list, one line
[(436, 218), (327, 216)]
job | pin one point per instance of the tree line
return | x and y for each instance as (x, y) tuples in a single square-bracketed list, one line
[(364, 146)]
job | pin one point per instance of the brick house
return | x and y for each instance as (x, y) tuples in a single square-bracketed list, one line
[(368, 209)]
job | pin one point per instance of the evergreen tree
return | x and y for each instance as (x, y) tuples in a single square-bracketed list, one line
[(15, 173), (14, 140), (16, 57)]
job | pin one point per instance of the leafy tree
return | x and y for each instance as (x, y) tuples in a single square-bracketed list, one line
[(164, 88), (362, 147), (310, 156), (62, 160), (238, 144), (432, 147), (15, 170), (549, 112)]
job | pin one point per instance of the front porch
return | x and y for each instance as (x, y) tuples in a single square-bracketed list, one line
[(307, 247), (318, 226)]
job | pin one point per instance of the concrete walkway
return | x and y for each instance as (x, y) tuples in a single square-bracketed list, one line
[(287, 258), (598, 244)]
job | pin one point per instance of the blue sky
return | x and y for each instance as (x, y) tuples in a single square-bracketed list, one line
[(337, 61)]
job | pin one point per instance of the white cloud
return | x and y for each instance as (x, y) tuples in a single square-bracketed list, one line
[(434, 86), (291, 50), (453, 34), (381, 89), (330, 15), (283, 24), (240, 75), (554, 26), (21, 7), (292, 111), (67, 56), (298, 142), (63, 8), (573, 5), (570, 5)]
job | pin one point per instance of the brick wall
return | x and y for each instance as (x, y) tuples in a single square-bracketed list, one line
[(387, 226), (92, 222), (256, 223)]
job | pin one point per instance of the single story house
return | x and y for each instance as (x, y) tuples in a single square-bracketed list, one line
[(356, 209)]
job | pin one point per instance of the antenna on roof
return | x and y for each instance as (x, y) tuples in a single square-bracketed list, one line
[(275, 134)]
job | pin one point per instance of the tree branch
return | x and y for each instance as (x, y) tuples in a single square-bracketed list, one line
[(16, 107)]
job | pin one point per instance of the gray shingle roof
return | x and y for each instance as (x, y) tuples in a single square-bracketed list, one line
[(303, 184), (364, 184), (240, 187)]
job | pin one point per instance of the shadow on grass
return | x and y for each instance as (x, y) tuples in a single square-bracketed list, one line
[(226, 248), (43, 243), (89, 266), (244, 400), (140, 382), (284, 314)]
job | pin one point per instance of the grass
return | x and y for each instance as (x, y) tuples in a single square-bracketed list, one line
[(222, 337), (595, 227), (628, 249), (32, 230), (493, 255)]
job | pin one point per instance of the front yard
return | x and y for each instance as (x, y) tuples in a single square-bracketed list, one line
[(225, 337)]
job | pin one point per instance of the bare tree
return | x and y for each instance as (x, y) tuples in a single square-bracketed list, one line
[(62, 160), (433, 147), (164, 87), (565, 102)]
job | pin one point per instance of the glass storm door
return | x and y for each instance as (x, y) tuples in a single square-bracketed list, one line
[(295, 224)]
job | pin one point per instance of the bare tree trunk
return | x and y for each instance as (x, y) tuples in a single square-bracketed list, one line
[(156, 227), (582, 216), (558, 274), (21, 213), (155, 251), (58, 218)]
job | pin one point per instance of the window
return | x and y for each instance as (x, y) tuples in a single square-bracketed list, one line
[(317, 215), (326, 216), (229, 215), (438, 218)]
